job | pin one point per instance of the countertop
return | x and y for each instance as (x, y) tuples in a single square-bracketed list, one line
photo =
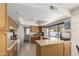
[(49, 41)]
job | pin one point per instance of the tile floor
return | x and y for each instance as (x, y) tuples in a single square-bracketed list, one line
[(28, 49)]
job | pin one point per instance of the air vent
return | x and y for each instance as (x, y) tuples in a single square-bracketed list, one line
[(41, 22), (17, 12), (53, 7)]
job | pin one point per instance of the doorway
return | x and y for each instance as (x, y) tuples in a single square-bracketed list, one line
[(27, 34)]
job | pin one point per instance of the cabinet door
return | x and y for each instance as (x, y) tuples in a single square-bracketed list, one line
[(15, 50), (52, 50), (12, 23), (3, 15), (33, 39), (3, 42), (40, 28), (60, 49), (35, 29), (38, 50), (67, 49), (11, 54)]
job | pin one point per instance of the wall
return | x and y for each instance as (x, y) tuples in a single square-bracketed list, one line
[(20, 33), (74, 33)]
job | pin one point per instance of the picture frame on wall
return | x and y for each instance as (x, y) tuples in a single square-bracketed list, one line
[(67, 24)]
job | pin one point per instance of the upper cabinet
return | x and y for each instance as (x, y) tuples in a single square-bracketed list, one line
[(3, 17), (5, 20), (5, 23), (12, 23), (36, 29)]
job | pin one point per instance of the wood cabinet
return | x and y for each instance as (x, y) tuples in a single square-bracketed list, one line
[(11, 54), (40, 28), (36, 29), (49, 50), (3, 17), (34, 38), (12, 23), (13, 51), (67, 49), (3, 43), (4, 28)]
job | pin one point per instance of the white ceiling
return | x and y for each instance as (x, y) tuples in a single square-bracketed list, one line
[(31, 13)]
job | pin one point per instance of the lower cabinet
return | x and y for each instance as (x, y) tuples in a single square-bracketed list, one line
[(11, 54), (34, 38), (67, 49), (49, 50), (3, 42), (13, 51)]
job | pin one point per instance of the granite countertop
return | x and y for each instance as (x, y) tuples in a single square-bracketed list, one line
[(49, 41)]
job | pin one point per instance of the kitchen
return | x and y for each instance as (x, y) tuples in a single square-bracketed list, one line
[(52, 39)]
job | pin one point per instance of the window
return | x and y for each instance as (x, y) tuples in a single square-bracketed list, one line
[(27, 30), (46, 32), (61, 28), (54, 31)]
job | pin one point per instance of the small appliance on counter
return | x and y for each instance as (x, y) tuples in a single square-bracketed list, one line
[(12, 35)]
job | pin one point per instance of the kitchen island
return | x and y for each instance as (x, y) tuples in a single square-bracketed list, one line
[(49, 47)]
